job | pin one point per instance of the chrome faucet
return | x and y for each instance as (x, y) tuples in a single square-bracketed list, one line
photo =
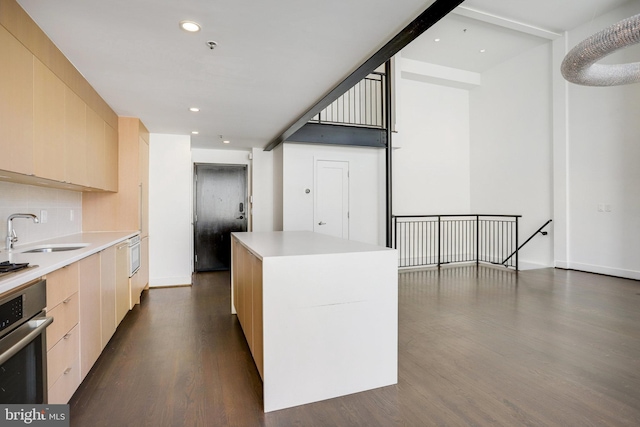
[(11, 233)]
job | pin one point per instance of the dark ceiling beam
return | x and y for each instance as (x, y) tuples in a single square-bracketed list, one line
[(434, 13), (320, 133)]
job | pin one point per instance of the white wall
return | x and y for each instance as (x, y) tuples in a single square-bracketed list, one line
[(170, 207), (539, 147), (603, 155), (262, 208), (60, 205), (229, 157), (366, 188), (431, 167), (278, 186), (478, 144), (511, 147)]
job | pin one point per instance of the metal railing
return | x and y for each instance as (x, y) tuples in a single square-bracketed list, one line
[(434, 240), (538, 231), (362, 105)]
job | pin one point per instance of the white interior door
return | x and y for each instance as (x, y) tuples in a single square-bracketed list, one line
[(331, 207)]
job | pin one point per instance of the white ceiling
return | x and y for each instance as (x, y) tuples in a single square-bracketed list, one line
[(274, 59), (553, 15), (461, 39), (502, 28)]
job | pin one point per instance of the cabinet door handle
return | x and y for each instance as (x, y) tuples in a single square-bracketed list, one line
[(66, 371), (321, 223), (67, 300), (66, 336)]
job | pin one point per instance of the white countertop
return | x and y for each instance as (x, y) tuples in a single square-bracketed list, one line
[(297, 243), (50, 261)]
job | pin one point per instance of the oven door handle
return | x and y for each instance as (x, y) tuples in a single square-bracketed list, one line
[(22, 336)]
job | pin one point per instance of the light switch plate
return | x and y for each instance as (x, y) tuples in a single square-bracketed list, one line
[(44, 216)]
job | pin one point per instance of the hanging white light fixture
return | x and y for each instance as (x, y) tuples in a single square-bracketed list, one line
[(579, 66)]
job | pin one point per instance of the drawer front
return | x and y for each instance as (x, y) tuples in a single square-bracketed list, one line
[(61, 284), (62, 390), (62, 355), (65, 317)]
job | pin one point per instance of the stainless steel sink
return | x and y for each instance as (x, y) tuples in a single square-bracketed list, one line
[(55, 248), (71, 248)]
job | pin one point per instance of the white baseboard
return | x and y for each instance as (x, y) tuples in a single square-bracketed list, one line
[(525, 265), (159, 282), (609, 271)]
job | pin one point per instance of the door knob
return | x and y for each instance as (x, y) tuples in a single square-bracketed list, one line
[(321, 223), (240, 217)]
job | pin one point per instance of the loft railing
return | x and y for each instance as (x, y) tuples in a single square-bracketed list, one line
[(434, 240), (538, 231), (362, 105)]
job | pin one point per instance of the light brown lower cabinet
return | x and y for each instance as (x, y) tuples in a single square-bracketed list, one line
[(247, 298), (108, 293), (63, 367), (90, 316), (256, 310), (123, 295), (81, 298), (63, 353)]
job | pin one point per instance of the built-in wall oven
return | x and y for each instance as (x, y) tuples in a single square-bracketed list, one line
[(23, 348), (134, 254)]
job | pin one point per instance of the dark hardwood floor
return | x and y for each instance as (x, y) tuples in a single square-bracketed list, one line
[(476, 347)]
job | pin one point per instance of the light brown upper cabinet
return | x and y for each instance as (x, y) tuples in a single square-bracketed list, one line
[(96, 166), (75, 150), (48, 123), (55, 130), (16, 105), (126, 210), (143, 164), (110, 158)]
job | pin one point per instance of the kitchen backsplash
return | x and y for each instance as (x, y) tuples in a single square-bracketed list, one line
[(63, 212)]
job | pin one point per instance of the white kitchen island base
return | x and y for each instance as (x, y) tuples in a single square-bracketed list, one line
[(327, 321)]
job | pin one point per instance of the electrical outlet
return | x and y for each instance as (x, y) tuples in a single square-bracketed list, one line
[(607, 208), (600, 207), (44, 216)]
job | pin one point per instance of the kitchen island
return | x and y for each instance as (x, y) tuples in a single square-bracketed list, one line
[(320, 314)]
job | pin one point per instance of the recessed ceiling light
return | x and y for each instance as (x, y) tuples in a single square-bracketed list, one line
[(194, 109), (190, 26), (194, 132), (483, 50), (436, 40), (226, 142)]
